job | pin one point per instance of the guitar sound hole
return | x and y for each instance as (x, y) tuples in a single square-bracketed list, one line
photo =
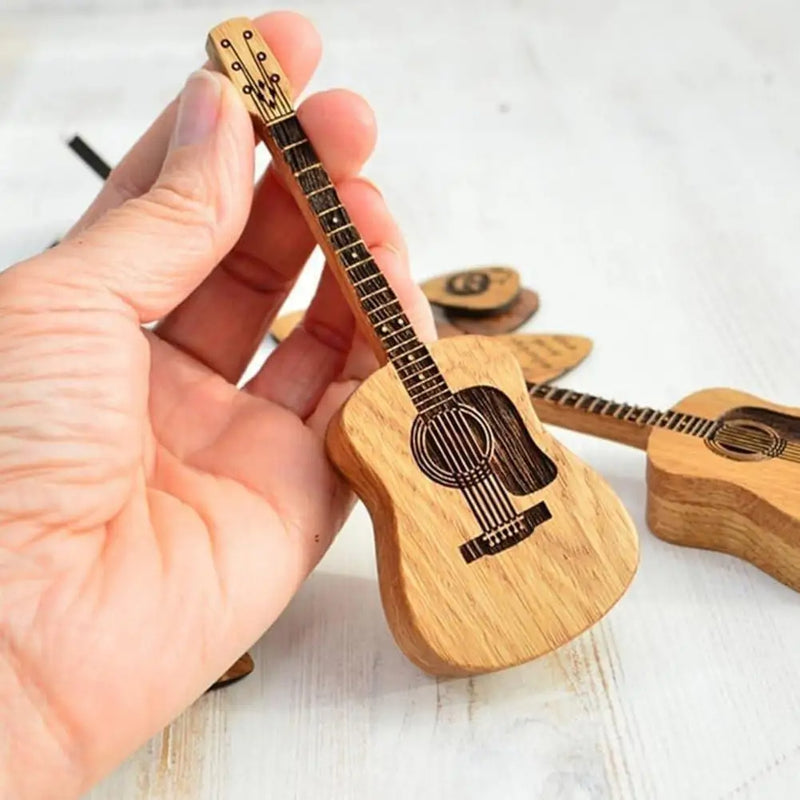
[(745, 441)]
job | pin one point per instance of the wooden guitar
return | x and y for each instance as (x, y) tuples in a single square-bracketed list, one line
[(723, 468), (494, 543)]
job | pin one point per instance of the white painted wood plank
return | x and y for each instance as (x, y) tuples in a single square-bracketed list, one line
[(639, 162)]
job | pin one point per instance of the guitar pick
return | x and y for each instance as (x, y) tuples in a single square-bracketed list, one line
[(545, 356), (516, 315), (479, 290), (241, 668)]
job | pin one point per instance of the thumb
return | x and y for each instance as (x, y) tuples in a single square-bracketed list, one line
[(153, 250)]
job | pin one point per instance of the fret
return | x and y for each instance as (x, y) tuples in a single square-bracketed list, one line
[(369, 284), (318, 191), (434, 402), (362, 271), (626, 417), (286, 131), (666, 418), (323, 200), (621, 411), (411, 356), (369, 296), (646, 416), (333, 219), (340, 228), (592, 409), (610, 408), (706, 424), (713, 430), (377, 311), (416, 382), (409, 337), (294, 144), (388, 318), (696, 424), (314, 179), (418, 365), (551, 394), (351, 254), (345, 238), (565, 398), (672, 423), (541, 390), (584, 398), (301, 158), (416, 395)]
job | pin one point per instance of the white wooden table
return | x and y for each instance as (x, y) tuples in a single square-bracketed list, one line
[(640, 163)]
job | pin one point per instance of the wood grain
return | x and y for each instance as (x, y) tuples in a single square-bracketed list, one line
[(698, 498), (454, 619), (546, 356), (744, 502), (522, 308), (478, 290), (690, 688)]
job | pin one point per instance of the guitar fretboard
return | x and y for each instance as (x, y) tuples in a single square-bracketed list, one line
[(256, 73), (689, 424)]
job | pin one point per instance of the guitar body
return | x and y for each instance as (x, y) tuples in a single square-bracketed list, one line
[(748, 508), (462, 593)]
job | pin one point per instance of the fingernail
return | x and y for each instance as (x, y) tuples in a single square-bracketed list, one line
[(198, 109)]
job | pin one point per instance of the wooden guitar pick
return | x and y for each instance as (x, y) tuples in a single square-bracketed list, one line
[(546, 353), (516, 315), (241, 668), (285, 324), (479, 290)]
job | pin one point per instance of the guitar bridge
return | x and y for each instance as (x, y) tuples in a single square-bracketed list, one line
[(493, 542)]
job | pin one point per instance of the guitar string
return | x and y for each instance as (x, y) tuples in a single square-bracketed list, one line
[(500, 497), (476, 509), (489, 506), (278, 88), (491, 512), (743, 437), (485, 490)]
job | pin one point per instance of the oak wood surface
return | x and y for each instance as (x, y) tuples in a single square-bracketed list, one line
[(750, 509), (453, 618), (747, 505), (646, 186)]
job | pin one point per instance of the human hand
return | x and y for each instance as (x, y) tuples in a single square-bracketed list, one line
[(155, 519)]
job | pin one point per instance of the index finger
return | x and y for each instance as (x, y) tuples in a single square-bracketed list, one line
[(297, 45)]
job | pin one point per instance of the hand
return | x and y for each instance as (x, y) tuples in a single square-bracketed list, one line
[(155, 519)]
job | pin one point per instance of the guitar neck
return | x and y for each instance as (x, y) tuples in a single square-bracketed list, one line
[(607, 419), (237, 49)]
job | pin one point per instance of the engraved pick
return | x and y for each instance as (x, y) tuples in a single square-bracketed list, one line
[(516, 315), (479, 290)]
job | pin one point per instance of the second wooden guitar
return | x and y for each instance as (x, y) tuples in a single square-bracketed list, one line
[(494, 543), (723, 468)]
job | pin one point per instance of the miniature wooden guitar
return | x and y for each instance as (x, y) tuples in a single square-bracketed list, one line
[(494, 543), (723, 468)]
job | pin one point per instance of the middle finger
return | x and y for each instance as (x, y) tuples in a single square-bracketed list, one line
[(223, 321)]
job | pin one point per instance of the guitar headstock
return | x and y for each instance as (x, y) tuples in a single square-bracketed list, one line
[(237, 49)]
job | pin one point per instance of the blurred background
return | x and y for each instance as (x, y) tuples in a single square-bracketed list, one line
[(638, 161)]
